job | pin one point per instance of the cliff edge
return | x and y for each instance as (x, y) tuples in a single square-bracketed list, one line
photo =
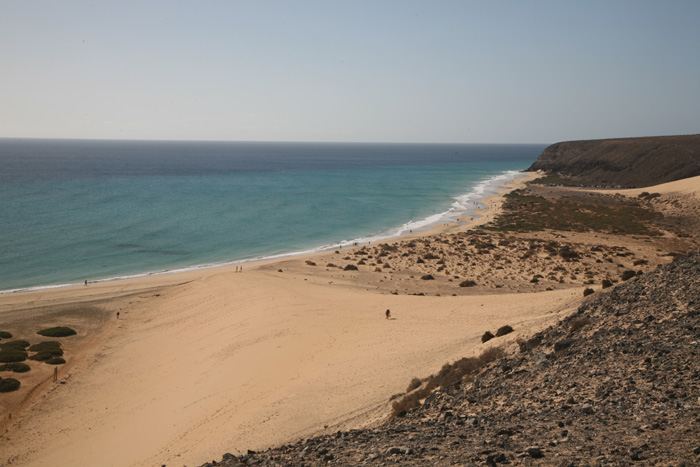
[(630, 162)]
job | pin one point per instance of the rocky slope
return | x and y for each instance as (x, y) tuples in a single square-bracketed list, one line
[(617, 383), (632, 162)]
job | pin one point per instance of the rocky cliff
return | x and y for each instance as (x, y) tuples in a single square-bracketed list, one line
[(630, 162)]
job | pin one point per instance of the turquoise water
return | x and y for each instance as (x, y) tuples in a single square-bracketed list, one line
[(96, 210)]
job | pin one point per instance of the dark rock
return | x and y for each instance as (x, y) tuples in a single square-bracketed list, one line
[(503, 330), (563, 344)]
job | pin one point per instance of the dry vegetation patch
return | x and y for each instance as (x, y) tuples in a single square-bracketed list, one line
[(463, 369)]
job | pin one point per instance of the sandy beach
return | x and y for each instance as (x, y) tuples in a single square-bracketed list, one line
[(212, 361)]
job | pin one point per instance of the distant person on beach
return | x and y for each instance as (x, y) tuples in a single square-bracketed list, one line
[(388, 314), (86, 282), (117, 315)]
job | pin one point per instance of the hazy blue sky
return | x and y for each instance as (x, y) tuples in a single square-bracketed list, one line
[(376, 71)]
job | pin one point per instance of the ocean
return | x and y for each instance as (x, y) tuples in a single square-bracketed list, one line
[(75, 210)]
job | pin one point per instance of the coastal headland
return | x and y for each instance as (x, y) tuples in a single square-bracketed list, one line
[(211, 361)]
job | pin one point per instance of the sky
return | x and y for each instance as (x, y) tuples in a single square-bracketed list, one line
[(433, 71)]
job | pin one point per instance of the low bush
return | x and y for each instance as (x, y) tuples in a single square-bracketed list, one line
[(467, 283), (13, 351), (414, 384), (587, 292), (487, 336), (9, 384), (59, 331), (503, 330), (47, 354), (55, 361), (46, 345), (648, 196), (5, 335), (12, 355), (15, 367), (18, 344), (427, 277), (449, 374), (350, 267), (606, 283)]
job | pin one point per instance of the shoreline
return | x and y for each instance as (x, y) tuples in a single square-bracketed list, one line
[(316, 340), (483, 191), (212, 361)]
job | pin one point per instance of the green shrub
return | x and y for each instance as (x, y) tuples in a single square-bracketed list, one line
[(59, 331), (18, 344), (427, 277), (8, 384), (5, 335), (46, 350), (587, 292), (47, 345), (55, 361), (487, 336), (46, 355), (350, 267), (15, 367), (467, 283), (606, 283), (12, 355)]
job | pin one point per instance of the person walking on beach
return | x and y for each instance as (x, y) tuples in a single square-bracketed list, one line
[(388, 314)]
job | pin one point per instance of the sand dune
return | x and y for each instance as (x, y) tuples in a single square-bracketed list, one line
[(242, 361)]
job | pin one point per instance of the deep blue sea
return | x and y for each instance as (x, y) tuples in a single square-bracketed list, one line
[(75, 210)]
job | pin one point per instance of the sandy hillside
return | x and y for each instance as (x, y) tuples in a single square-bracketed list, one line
[(238, 361)]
